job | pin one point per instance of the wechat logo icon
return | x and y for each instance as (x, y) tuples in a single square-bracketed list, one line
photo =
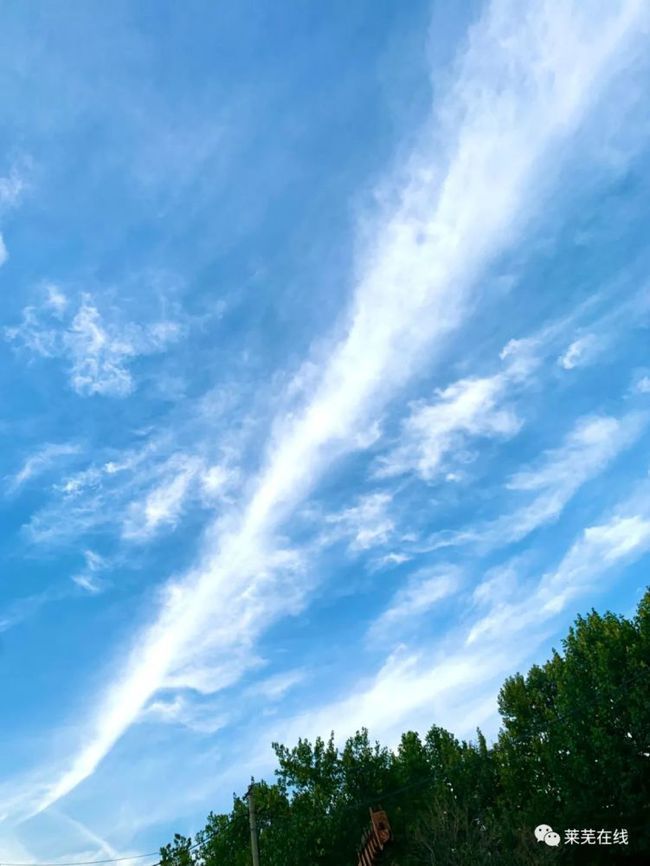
[(545, 833)]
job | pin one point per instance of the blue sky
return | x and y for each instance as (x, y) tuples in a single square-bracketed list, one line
[(325, 382)]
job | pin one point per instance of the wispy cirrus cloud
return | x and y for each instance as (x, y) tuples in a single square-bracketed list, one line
[(587, 449), (367, 523), (41, 461), (413, 686), (642, 385), (456, 683), (97, 352), (512, 102), (14, 849), (134, 494), (582, 352), (552, 482), (440, 436), (423, 591), (622, 537), (23, 608), (163, 504), (181, 710), (80, 836), (88, 578), (12, 186), (276, 686), (434, 437)]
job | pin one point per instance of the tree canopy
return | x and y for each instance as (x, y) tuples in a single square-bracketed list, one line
[(573, 752)]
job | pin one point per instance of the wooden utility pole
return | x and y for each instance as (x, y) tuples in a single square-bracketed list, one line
[(253, 823)]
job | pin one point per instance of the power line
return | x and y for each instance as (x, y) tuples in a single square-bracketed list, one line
[(86, 862), (98, 862)]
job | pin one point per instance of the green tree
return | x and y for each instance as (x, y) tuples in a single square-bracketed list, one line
[(178, 852), (575, 749), (573, 752)]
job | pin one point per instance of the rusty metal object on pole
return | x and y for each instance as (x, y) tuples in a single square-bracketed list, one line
[(374, 839)]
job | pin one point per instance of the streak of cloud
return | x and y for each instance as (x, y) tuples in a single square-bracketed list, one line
[(512, 103)]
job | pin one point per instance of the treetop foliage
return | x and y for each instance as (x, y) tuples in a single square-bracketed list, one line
[(573, 752)]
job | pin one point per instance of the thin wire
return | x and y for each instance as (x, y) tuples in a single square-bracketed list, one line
[(93, 862), (86, 862)]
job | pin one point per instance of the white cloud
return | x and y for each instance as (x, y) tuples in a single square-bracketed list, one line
[(163, 504), (88, 582), (98, 353), (420, 687), (643, 385), (217, 481), (32, 335), (56, 299), (275, 687), (499, 583), (40, 462), (589, 447), (68, 834), (138, 492), (214, 479), (11, 188), (457, 684), (581, 352), (423, 591), (13, 848), (181, 480), (592, 444), (99, 356), (182, 710), (623, 537), (103, 847), (391, 559), (21, 609), (439, 430), (368, 523), (88, 579), (436, 434), (528, 76)]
